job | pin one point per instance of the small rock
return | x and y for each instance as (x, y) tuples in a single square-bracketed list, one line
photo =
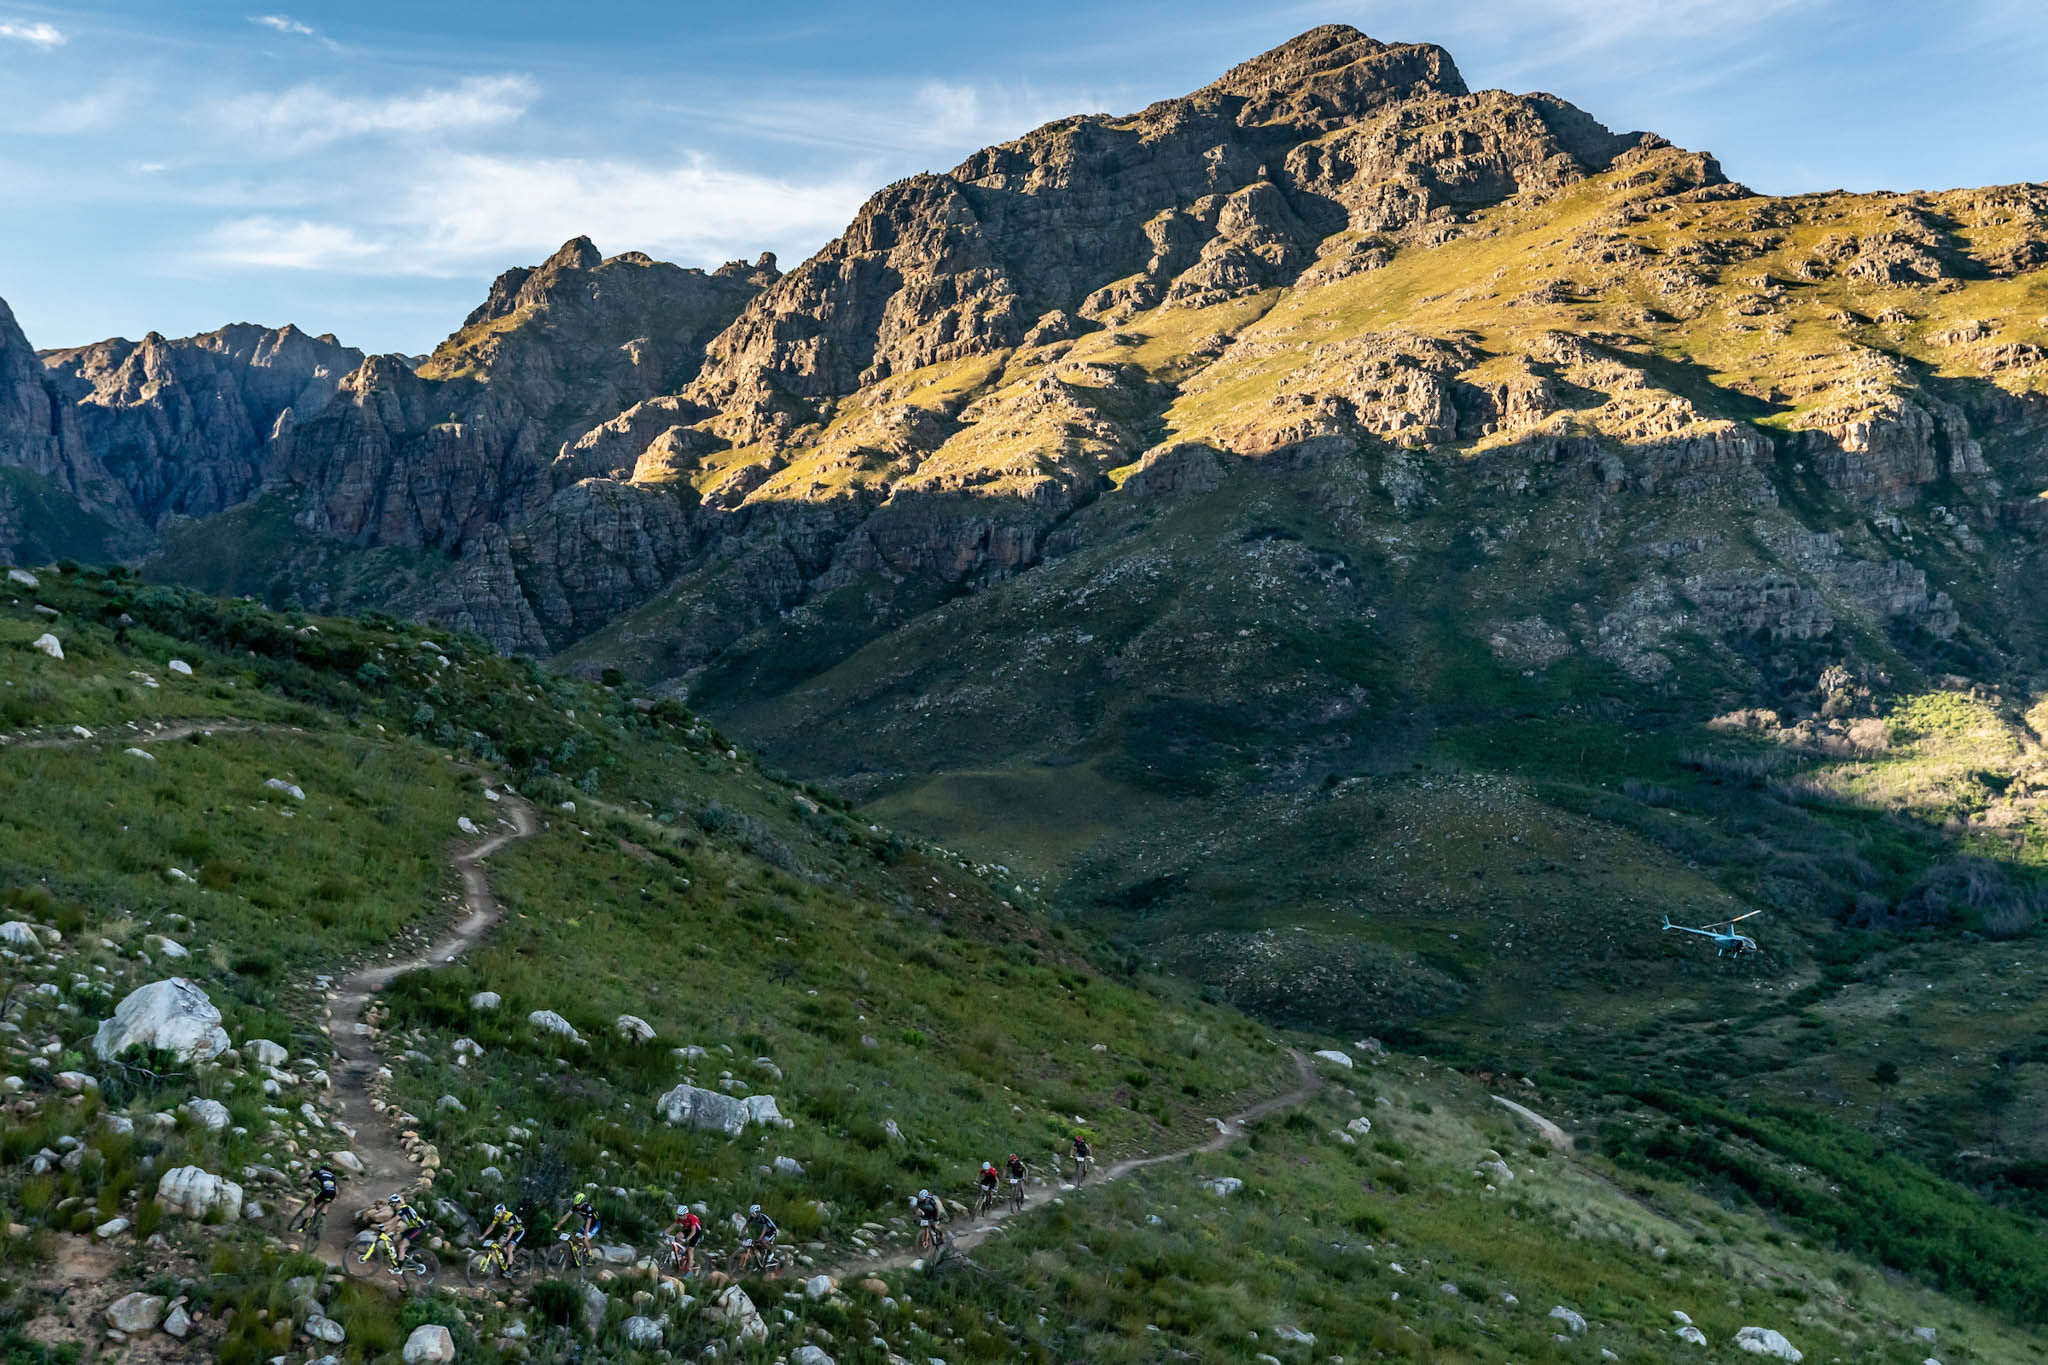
[(211, 1115), (49, 644), (486, 1000), (634, 1027), (1222, 1186), (136, 1312), (140, 753), (180, 667), (810, 1355), (325, 1329), (1692, 1334), (1570, 1319), (113, 1227), (639, 1331), (23, 578), (1335, 1058), (819, 1287), (278, 784), (788, 1165), (467, 825), (178, 1322)]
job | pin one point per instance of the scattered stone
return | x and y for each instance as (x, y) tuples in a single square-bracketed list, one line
[(23, 578), (737, 1312), (761, 1109), (1295, 1335), (136, 1312), (278, 784), (486, 1000), (265, 1053), (1692, 1335), (467, 825), (211, 1115), (819, 1287), (322, 1328), (1359, 1126), (634, 1027), (178, 1322), (788, 1165), (810, 1355), (346, 1161), (1570, 1319), (174, 1015), (113, 1227), (49, 644), (639, 1331), (140, 753), (168, 947), (1766, 1341), (180, 667), (1222, 1186), (892, 1132), (20, 934), (1335, 1058)]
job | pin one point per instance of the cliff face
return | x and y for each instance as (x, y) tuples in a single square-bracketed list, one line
[(1334, 274)]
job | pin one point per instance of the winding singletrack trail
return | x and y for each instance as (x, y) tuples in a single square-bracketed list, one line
[(965, 1238), (373, 1137)]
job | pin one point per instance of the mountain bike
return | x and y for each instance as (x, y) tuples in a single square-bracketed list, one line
[(311, 1215), (758, 1256), (416, 1271), (1081, 1166), (930, 1236), (495, 1261), (678, 1259), (570, 1255), (986, 1202), (1017, 1196)]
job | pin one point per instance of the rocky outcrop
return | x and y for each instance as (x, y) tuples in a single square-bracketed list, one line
[(173, 1015)]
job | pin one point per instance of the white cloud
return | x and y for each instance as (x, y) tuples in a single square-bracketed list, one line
[(44, 36), (466, 212), (311, 115), (284, 23), (291, 245)]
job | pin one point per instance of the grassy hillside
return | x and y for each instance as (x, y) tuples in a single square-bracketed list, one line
[(862, 978)]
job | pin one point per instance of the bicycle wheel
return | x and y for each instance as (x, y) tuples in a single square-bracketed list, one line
[(363, 1257), (420, 1271), (479, 1268), (561, 1260)]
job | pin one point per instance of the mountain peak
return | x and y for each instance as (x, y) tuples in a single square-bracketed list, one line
[(578, 253), (1334, 71)]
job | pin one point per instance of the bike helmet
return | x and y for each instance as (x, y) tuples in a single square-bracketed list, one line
[(1013, 1156), (581, 1198), (924, 1194), (497, 1210), (395, 1200), (753, 1208), (682, 1210)]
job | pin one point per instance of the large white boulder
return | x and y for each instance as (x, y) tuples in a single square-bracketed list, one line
[(486, 1000), (196, 1192), (737, 1312), (691, 1107), (137, 1312), (1222, 1186), (19, 934), (1335, 1058), (174, 1015), (49, 644), (641, 1331), (634, 1027), (761, 1109), (22, 578), (320, 1327), (429, 1345), (291, 789), (1766, 1341), (547, 1021)]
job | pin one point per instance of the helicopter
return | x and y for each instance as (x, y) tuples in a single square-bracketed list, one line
[(1726, 940)]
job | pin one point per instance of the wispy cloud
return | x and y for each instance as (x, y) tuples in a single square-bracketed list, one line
[(284, 23), (312, 115), (284, 244), (44, 36)]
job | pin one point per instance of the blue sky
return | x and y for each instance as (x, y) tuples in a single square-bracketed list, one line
[(367, 168)]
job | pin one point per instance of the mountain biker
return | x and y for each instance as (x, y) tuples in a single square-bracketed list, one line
[(686, 1231), (989, 1178), (1016, 1167), (325, 1190), (410, 1226), (1081, 1152), (506, 1230), (584, 1211), (760, 1229), (929, 1214)]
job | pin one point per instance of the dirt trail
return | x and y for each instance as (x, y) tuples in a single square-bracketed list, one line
[(371, 1135), (153, 732), (965, 1238)]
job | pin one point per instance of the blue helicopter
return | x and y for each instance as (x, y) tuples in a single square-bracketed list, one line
[(1726, 940)]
